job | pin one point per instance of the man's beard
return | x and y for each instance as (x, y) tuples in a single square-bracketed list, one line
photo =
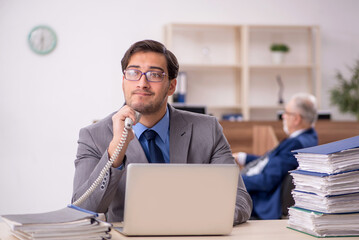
[(149, 107), (285, 127)]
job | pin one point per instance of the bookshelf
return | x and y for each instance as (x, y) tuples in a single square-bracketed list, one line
[(229, 67)]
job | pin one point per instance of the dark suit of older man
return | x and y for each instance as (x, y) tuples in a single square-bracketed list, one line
[(265, 187)]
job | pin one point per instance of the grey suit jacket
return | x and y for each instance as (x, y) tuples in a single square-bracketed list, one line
[(194, 138)]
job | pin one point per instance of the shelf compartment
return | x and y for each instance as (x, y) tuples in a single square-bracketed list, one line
[(204, 44)]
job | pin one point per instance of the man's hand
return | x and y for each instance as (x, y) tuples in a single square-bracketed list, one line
[(118, 123), (240, 158)]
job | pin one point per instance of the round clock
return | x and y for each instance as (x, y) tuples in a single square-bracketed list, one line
[(42, 39)]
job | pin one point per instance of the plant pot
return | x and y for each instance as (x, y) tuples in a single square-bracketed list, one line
[(277, 57)]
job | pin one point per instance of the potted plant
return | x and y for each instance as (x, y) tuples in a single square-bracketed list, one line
[(346, 94), (278, 51)]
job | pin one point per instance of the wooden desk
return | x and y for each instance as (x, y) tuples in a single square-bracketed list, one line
[(259, 229), (240, 134)]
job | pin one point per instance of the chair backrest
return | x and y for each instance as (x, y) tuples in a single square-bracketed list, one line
[(264, 139), (286, 194)]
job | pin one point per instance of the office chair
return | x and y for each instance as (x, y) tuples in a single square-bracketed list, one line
[(286, 194)]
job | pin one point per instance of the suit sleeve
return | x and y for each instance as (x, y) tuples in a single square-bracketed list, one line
[(251, 157), (277, 167), (89, 163), (222, 154)]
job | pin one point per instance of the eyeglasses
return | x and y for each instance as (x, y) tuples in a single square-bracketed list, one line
[(290, 113), (151, 76)]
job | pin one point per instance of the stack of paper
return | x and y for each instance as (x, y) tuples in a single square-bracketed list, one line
[(326, 190), (324, 225), (68, 223), (329, 163)]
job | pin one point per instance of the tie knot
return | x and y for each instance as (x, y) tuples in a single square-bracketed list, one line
[(150, 134)]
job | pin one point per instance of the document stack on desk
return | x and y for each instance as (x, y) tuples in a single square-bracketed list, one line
[(326, 190), (68, 223)]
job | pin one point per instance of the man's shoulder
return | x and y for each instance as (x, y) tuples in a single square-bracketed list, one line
[(308, 138), (101, 124), (308, 134), (192, 117)]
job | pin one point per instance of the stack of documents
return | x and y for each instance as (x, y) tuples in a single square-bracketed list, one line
[(323, 225), (326, 190), (67, 223), (329, 163)]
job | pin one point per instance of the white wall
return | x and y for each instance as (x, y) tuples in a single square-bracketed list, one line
[(45, 100)]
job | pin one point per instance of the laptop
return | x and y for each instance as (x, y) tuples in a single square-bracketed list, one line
[(180, 199)]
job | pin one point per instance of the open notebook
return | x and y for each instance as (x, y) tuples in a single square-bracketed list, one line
[(180, 199)]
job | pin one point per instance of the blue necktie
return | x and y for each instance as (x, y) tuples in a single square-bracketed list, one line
[(155, 152)]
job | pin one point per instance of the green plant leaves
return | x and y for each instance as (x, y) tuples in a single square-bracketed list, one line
[(279, 47), (346, 94)]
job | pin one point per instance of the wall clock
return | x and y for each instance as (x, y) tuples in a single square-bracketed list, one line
[(42, 39)]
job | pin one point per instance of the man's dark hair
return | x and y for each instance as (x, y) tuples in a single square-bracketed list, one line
[(152, 46)]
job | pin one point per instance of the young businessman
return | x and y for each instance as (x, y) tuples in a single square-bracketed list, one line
[(150, 72), (263, 175)]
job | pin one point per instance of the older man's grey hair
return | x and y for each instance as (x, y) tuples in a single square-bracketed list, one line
[(306, 105)]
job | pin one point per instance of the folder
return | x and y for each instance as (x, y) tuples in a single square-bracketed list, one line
[(327, 204), (320, 224), (333, 147), (325, 184), (335, 157), (329, 193)]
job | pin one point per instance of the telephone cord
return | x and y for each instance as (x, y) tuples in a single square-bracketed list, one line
[(104, 170)]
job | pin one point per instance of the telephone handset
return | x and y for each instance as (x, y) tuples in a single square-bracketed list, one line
[(128, 126), (129, 122)]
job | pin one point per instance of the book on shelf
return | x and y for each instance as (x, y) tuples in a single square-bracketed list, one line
[(68, 223), (320, 224), (326, 192)]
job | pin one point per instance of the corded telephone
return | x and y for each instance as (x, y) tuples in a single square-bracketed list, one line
[(128, 125)]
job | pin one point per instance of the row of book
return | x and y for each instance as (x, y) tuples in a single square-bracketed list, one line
[(326, 192), (70, 223)]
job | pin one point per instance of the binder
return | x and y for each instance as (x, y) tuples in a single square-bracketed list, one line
[(325, 184), (335, 157), (320, 224), (333, 147)]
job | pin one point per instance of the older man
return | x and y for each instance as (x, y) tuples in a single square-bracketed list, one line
[(263, 175)]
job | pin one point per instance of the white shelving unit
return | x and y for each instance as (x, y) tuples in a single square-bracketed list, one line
[(229, 67)]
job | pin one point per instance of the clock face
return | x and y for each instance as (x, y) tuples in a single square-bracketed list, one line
[(42, 39)]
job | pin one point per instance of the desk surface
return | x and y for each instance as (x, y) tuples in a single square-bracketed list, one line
[(259, 229)]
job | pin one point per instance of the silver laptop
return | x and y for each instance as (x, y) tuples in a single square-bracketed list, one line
[(180, 199)]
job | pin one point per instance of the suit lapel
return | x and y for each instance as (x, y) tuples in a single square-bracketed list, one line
[(180, 137), (135, 153)]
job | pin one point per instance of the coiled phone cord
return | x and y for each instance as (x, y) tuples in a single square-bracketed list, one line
[(104, 170)]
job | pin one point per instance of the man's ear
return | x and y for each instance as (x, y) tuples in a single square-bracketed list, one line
[(172, 88), (298, 119)]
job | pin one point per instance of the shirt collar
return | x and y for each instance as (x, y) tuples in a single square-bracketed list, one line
[(161, 127), (296, 133)]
